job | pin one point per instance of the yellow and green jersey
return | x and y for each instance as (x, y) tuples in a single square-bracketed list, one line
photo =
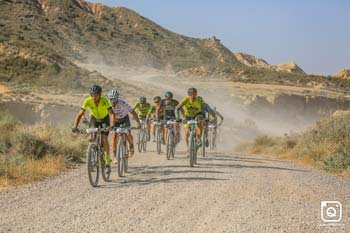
[(100, 111), (191, 108), (142, 111), (154, 109)]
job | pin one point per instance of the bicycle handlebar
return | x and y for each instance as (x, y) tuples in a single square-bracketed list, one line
[(92, 130)]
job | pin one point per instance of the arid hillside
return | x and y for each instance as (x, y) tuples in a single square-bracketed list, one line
[(42, 41)]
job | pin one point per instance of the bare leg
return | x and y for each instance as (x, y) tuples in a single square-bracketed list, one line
[(106, 149)]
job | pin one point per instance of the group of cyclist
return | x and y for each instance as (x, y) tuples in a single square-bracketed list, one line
[(111, 111)]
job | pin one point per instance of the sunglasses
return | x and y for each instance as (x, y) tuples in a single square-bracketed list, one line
[(156, 102), (93, 95), (114, 100)]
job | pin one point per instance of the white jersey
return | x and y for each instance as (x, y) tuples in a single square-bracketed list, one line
[(122, 109)]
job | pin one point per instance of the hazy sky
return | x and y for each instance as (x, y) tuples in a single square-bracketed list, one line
[(313, 33)]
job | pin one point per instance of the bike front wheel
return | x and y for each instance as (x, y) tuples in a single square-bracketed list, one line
[(92, 162), (120, 160), (139, 140), (158, 140), (192, 148)]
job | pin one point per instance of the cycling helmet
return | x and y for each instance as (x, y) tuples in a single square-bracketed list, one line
[(168, 95), (95, 89), (142, 100), (192, 90), (157, 98), (113, 94)]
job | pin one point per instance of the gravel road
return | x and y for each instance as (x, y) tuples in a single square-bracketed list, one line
[(224, 193)]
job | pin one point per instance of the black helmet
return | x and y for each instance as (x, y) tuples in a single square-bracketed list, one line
[(192, 90), (168, 95), (95, 89), (142, 100), (157, 98)]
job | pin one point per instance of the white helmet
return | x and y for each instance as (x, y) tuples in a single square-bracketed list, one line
[(113, 94)]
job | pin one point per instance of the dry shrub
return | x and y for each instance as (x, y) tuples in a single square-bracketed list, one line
[(29, 153), (326, 145)]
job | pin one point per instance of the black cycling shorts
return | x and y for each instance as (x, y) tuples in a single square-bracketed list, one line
[(99, 123), (124, 122)]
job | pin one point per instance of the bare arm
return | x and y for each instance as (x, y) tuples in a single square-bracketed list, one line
[(133, 113), (158, 109), (111, 117), (221, 117), (78, 117)]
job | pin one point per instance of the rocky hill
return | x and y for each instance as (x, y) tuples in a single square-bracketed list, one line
[(344, 73), (290, 67), (252, 61)]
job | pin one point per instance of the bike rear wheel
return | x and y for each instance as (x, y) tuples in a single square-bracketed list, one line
[(92, 162)]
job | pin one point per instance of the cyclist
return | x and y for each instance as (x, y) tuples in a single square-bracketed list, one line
[(208, 113), (167, 106), (102, 115), (121, 110), (143, 109), (214, 120), (193, 107), (156, 102)]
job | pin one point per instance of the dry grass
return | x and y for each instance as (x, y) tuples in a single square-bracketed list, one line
[(325, 146), (31, 153), (32, 170)]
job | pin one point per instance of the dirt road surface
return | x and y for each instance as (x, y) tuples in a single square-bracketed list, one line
[(223, 193)]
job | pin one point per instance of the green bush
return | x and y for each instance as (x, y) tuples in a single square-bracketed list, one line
[(338, 162)]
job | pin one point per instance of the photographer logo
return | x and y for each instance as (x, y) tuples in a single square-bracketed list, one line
[(331, 211)]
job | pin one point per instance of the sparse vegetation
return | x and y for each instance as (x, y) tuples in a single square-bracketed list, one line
[(326, 145), (29, 153)]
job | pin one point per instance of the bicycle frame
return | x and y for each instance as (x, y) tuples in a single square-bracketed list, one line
[(95, 156), (122, 149), (171, 140)]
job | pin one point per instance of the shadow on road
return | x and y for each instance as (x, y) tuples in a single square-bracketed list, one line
[(207, 167), (127, 182)]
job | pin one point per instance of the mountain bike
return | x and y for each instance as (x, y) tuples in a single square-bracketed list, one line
[(204, 138), (159, 135), (142, 136), (95, 158), (171, 139), (212, 136), (192, 141), (122, 150)]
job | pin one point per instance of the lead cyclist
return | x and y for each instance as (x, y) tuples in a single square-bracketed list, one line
[(102, 115)]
